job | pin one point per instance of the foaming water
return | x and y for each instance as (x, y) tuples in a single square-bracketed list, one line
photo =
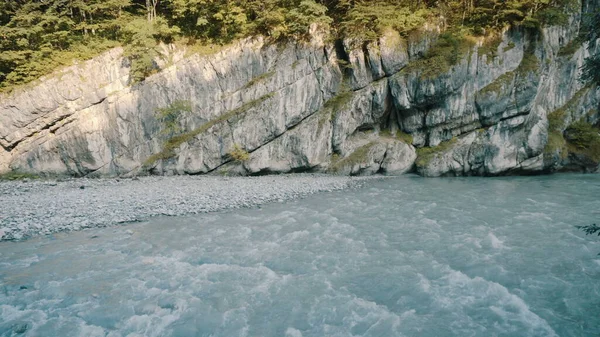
[(400, 257)]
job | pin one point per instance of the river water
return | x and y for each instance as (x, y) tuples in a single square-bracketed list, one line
[(403, 256)]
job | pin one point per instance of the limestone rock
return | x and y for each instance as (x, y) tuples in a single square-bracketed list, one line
[(309, 106)]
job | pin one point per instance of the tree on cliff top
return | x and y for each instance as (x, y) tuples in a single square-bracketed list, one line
[(38, 35)]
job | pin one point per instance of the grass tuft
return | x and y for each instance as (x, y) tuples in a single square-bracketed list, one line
[(13, 175), (258, 79)]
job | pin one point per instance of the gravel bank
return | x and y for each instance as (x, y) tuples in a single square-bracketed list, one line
[(31, 208)]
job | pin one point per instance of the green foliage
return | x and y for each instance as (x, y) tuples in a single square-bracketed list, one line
[(552, 16), (141, 38), (168, 150), (14, 175), (496, 14), (440, 58), (498, 84), (368, 20), (590, 230), (591, 69), (490, 46), (426, 154), (557, 124), (300, 18), (238, 153), (591, 32), (583, 138), (38, 36), (205, 19), (170, 115), (570, 48)]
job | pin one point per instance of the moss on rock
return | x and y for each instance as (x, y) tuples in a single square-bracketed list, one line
[(428, 153), (399, 135), (359, 156), (445, 53), (499, 83)]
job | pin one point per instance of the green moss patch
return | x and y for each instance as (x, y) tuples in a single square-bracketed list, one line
[(570, 48), (258, 79), (510, 46), (238, 153), (338, 102), (444, 54), (490, 47), (202, 48), (557, 124), (426, 154), (170, 115), (556, 145), (15, 175), (498, 84), (399, 135), (359, 156), (529, 63)]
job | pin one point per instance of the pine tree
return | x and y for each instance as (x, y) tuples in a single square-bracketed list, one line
[(591, 68)]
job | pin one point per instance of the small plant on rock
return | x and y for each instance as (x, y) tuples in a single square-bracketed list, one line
[(238, 153), (171, 115)]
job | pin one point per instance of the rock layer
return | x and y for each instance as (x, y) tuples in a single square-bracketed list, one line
[(347, 107)]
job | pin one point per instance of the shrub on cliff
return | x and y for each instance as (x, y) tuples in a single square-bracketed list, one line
[(37, 36), (585, 139), (238, 153)]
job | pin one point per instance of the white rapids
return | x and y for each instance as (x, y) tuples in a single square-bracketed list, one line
[(402, 256)]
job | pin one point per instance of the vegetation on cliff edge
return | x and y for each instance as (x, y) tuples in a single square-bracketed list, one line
[(38, 36)]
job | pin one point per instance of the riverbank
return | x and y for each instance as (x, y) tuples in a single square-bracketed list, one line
[(36, 207)]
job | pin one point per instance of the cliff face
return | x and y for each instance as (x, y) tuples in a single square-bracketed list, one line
[(345, 107)]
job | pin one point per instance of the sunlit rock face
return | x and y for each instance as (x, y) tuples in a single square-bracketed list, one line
[(346, 107)]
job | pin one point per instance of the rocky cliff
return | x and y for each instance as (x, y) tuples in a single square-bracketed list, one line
[(428, 103)]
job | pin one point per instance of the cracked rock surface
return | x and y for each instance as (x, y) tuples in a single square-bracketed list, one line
[(305, 106)]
